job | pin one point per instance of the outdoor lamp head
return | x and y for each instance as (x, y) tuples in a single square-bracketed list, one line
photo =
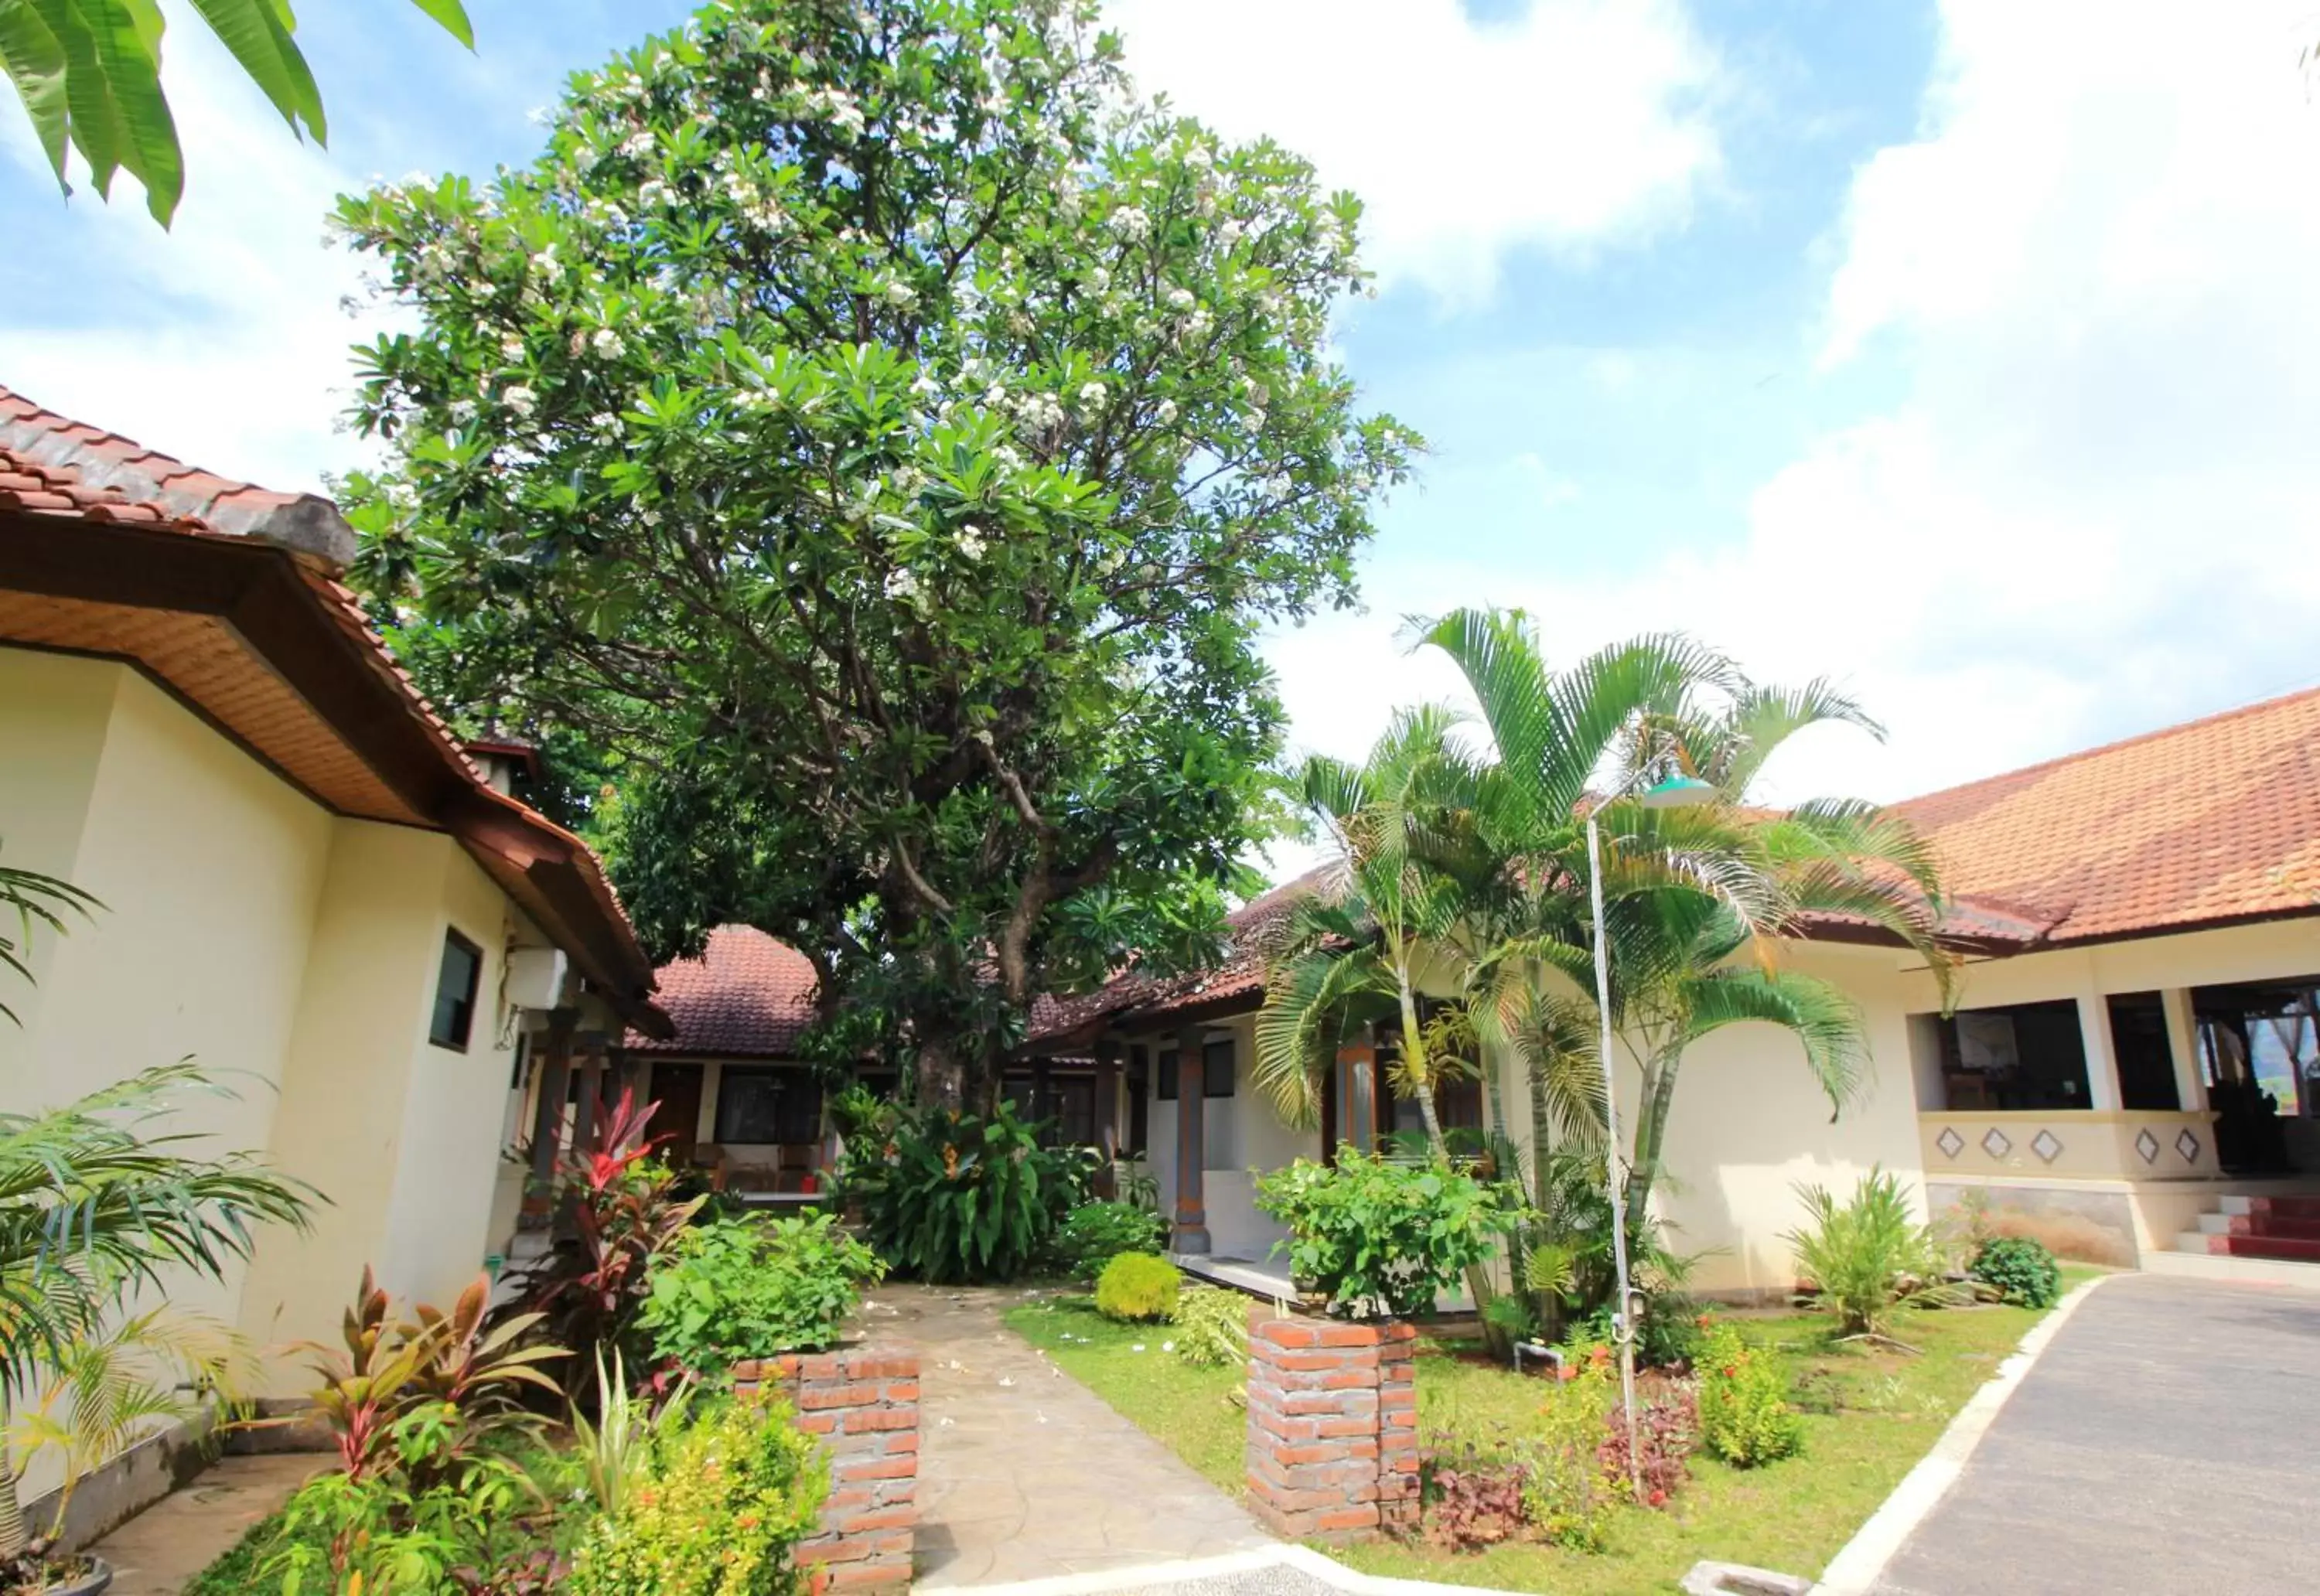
[(1678, 792)]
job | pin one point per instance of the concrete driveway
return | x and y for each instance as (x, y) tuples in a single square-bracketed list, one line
[(2168, 1439)]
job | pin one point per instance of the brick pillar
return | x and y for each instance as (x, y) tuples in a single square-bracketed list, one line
[(1332, 1428), (864, 1405)]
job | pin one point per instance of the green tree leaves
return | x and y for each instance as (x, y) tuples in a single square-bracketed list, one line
[(888, 436), (89, 74)]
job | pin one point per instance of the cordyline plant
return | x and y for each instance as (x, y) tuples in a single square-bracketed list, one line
[(886, 436), (585, 1294)]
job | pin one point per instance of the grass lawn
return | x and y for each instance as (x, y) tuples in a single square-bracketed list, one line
[(1868, 1417)]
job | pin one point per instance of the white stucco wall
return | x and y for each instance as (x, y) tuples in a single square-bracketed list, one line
[(210, 868), (1244, 1135), (290, 952)]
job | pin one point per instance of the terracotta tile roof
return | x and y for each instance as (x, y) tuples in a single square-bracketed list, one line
[(1152, 999), (2216, 819), (52, 466), (748, 995)]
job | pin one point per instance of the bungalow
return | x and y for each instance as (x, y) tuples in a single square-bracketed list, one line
[(308, 885), (2132, 1072)]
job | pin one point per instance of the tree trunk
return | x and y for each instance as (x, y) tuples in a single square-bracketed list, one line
[(1658, 1094), (1421, 1071), (942, 1072)]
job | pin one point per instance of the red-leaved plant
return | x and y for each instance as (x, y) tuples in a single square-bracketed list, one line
[(586, 1293)]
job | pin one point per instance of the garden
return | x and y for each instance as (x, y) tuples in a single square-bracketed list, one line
[(1765, 1437)]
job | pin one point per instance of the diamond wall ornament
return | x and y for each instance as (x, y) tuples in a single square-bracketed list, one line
[(1994, 1143), (1950, 1142), (2046, 1145), (2188, 1145), (2147, 1145)]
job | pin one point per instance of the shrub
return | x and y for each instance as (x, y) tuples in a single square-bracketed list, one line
[(1137, 1286), (727, 1493), (1470, 1500), (1373, 1232), (957, 1198), (2024, 1272), (1667, 1429), (1870, 1260), (1095, 1233), (1568, 1494), (1745, 1416), (427, 1431), (1211, 1325), (752, 1288)]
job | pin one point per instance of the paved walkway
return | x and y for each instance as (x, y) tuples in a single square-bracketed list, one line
[(2168, 1439), (159, 1551), (1025, 1474)]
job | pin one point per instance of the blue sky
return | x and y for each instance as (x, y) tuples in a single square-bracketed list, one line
[(1959, 351)]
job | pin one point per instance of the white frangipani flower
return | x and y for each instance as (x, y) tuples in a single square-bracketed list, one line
[(607, 344), (902, 586), (520, 400), (1091, 394), (970, 541)]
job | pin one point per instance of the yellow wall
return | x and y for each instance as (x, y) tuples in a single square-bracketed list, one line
[(210, 868), (292, 953)]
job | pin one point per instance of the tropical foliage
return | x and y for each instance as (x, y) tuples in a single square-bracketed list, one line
[(2021, 1271), (1871, 1259), (1383, 1235), (1095, 1233), (728, 1488), (89, 74), (1745, 1415), (1460, 921), (94, 1208), (753, 1287), (887, 435), (953, 1197), (1209, 1326), (33, 900)]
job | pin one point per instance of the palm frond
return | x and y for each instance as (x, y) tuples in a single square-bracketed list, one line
[(1824, 1020)]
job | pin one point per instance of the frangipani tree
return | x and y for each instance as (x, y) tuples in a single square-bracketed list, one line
[(885, 435)]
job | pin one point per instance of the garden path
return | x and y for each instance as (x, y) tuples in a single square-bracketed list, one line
[(1025, 1474), (159, 1552), (2164, 1440)]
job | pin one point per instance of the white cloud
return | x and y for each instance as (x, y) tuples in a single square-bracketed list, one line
[(1579, 123), (220, 341), (2094, 508)]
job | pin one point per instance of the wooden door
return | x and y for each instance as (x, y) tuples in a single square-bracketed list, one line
[(676, 1109)]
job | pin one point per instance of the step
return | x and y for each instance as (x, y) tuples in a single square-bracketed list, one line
[(2222, 1267), (2259, 1224), (2250, 1246), (2286, 1208)]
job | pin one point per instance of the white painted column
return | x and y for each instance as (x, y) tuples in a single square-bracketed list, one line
[(2183, 1043), (2102, 1053)]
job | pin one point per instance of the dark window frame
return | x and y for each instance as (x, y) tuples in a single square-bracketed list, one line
[(785, 1080), (1211, 1075), (1164, 1075), (455, 1031)]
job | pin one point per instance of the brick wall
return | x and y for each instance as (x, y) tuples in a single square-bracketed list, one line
[(864, 1405), (1332, 1428)]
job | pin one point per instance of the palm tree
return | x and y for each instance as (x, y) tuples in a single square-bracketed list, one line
[(32, 900), (92, 1211), (1692, 895)]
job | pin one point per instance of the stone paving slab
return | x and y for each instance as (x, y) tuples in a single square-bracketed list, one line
[(2167, 1439), (159, 1551), (1024, 1473)]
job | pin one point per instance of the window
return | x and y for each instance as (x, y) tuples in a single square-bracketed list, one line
[(1216, 1069), (2025, 1055), (455, 993), (762, 1106), (1166, 1078)]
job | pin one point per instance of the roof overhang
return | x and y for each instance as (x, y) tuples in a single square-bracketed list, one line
[(267, 647)]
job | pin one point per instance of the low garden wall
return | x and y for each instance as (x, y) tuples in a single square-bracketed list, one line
[(1332, 1428), (864, 1405)]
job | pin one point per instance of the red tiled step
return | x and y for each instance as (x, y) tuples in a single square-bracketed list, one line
[(2290, 1247), (2286, 1208), (2272, 1224)]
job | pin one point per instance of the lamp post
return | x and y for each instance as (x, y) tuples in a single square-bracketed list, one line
[(1680, 792)]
